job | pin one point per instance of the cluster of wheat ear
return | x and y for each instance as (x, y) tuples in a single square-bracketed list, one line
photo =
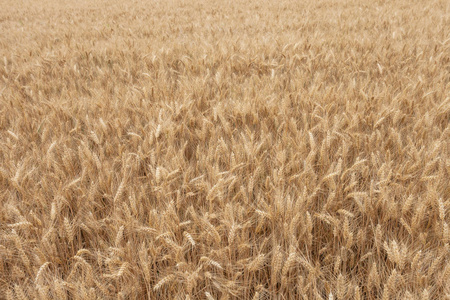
[(224, 150)]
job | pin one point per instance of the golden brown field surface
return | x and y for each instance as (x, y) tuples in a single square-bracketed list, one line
[(224, 149)]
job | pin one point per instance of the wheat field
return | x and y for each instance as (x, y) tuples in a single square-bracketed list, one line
[(210, 149)]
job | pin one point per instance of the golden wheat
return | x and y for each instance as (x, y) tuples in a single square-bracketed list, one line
[(224, 150)]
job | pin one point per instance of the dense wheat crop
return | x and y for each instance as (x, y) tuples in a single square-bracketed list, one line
[(224, 149)]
